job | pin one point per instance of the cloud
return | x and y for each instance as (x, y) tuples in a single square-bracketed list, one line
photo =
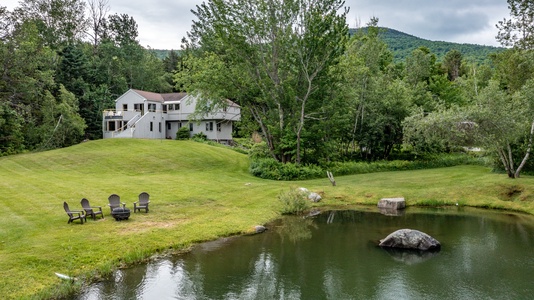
[(453, 21), (163, 23)]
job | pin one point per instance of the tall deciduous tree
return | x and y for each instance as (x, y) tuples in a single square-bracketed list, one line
[(61, 21), (518, 30), (98, 10), (272, 57)]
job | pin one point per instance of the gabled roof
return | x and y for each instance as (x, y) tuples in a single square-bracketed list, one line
[(160, 97), (167, 97)]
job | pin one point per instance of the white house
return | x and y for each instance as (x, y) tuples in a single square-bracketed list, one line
[(140, 114)]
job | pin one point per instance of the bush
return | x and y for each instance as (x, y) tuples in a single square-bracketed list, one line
[(200, 137), (182, 133), (294, 202), (269, 168), (259, 151)]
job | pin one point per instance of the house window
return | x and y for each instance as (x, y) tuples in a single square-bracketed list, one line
[(164, 107), (175, 106), (209, 126), (151, 107), (138, 107), (159, 126), (125, 107), (168, 126), (151, 126), (111, 126), (190, 126), (219, 127)]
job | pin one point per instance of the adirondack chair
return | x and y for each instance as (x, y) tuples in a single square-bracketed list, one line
[(115, 202), (92, 211), (74, 214), (142, 203)]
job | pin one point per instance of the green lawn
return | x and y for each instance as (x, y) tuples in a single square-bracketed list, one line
[(198, 193)]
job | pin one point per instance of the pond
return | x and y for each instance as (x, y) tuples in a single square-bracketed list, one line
[(484, 255)]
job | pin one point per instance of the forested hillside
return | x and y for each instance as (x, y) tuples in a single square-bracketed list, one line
[(402, 45)]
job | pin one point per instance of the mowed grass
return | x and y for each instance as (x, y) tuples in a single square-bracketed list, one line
[(198, 193)]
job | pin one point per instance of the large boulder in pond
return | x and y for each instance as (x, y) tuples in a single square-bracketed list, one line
[(410, 239)]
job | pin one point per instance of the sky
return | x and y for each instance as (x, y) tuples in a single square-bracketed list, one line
[(163, 23)]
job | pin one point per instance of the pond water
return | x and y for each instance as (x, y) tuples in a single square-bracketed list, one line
[(484, 255)]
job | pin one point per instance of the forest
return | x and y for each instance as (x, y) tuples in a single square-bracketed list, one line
[(314, 91)]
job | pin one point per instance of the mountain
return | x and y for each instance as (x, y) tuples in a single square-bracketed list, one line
[(402, 45)]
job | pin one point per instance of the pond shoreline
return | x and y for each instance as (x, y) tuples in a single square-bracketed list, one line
[(74, 287), (456, 225)]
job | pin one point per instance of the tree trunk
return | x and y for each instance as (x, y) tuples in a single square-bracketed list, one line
[(527, 154), (504, 160)]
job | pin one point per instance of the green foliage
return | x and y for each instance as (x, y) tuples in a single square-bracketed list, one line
[(182, 133), (402, 45), (517, 31), (11, 136), (200, 136), (51, 77), (277, 63), (268, 168), (259, 150), (426, 162), (294, 202)]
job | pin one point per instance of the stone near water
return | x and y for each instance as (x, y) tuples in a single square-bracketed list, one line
[(259, 228), (315, 197), (392, 203)]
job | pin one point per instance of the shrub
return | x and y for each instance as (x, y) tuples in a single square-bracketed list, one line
[(259, 150), (200, 136), (294, 202), (269, 168), (182, 133)]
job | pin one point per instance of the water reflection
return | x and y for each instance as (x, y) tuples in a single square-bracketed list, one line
[(335, 255)]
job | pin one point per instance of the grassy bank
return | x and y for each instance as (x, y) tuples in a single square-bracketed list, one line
[(198, 192)]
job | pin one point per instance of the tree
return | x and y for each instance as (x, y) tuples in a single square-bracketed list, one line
[(513, 68), (271, 57), (61, 126), (11, 137), (60, 21), (452, 63), (98, 10), (377, 101), (420, 66), (121, 29), (518, 31), (496, 122)]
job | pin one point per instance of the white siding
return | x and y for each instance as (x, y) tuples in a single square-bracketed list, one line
[(139, 112)]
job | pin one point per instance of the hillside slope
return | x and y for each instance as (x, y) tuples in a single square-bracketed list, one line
[(402, 45), (197, 192)]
